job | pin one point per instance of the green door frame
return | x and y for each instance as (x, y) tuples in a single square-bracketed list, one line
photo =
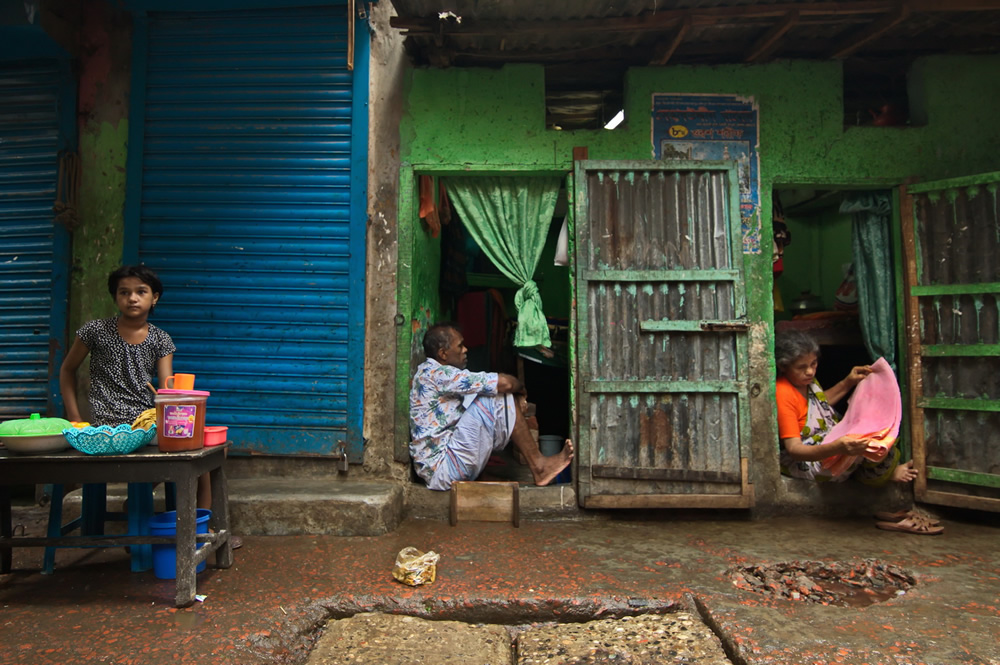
[(408, 223)]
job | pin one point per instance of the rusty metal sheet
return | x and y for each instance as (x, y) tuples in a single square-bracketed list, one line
[(661, 326), (956, 347)]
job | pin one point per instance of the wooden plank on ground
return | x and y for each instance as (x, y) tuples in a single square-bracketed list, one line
[(475, 501)]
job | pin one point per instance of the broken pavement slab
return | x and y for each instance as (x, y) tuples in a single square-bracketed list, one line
[(661, 639), (387, 639), (272, 606)]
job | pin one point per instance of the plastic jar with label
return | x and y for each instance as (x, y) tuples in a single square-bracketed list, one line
[(180, 419)]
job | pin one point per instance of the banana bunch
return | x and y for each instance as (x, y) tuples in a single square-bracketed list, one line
[(145, 420)]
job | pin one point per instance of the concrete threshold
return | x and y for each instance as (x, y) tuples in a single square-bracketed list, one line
[(556, 502)]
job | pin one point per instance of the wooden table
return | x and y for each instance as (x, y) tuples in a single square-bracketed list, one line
[(147, 465)]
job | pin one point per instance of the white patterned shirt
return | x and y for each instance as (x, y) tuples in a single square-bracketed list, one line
[(438, 399), (119, 371)]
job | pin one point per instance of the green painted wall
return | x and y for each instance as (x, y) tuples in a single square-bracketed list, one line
[(496, 117), (102, 112), (493, 120), (97, 242), (483, 120), (821, 245)]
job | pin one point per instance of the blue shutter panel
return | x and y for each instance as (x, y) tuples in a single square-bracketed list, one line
[(33, 251), (245, 214)]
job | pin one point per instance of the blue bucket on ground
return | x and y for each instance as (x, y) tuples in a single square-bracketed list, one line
[(165, 556)]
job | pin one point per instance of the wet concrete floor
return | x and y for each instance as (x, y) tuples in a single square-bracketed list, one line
[(273, 604)]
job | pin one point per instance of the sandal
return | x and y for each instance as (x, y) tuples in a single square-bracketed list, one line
[(904, 514), (915, 525)]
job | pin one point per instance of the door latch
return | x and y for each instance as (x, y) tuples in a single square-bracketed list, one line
[(342, 465), (725, 326)]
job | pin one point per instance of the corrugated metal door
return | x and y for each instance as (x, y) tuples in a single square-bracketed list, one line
[(662, 405), (951, 241), (34, 250), (252, 209)]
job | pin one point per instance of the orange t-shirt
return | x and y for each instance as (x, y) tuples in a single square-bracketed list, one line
[(792, 409)]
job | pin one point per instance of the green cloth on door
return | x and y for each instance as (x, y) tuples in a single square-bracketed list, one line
[(871, 214), (509, 217)]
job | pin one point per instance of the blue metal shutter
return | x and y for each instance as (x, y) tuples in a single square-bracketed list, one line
[(33, 251), (246, 216)]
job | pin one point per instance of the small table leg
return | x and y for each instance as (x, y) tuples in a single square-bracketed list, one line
[(140, 511), (6, 530), (220, 516), (186, 575), (55, 526)]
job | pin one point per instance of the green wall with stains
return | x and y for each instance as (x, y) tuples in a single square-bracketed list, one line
[(102, 123), (814, 262), (97, 242), (483, 120)]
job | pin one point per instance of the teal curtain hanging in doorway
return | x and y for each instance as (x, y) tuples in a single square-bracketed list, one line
[(509, 218), (871, 214)]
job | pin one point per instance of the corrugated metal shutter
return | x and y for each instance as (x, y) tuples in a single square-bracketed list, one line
[(32, 250), (245, 214), (661, 337)]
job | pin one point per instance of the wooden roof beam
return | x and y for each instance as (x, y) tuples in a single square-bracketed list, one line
[(658, 21), (665, 19), (664, 50), (873, 31), (770, 40)]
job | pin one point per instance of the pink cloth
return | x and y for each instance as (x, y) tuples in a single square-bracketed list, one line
[(875, 411)]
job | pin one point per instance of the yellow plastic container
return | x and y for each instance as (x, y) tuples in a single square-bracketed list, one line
[(180, 419)]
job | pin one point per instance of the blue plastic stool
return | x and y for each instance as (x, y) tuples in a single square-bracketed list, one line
[(94, 514)]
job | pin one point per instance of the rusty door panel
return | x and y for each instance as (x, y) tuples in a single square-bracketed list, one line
[(661, 337), (951, 242)]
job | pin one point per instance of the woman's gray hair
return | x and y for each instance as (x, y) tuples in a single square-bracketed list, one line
[(790, 345)]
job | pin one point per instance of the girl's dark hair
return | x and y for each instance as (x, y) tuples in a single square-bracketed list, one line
[(438, 337), (790, 345), (144, 275)]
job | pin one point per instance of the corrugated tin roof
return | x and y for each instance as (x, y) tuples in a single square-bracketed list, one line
[(586, 45)]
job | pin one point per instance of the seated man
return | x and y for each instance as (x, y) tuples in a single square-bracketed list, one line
[(459, 418)]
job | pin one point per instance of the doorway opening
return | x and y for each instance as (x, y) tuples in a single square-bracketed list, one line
[(481, 298), (817, 273)]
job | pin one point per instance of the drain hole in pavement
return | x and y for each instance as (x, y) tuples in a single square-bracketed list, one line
[(847, 584)]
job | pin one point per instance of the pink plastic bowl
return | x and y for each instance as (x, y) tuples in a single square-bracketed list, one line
[(215, 436)]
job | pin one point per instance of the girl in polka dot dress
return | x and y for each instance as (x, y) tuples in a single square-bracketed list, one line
[(125, 352)]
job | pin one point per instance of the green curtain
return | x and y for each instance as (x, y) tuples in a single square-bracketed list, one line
[(509, 217), (871, 214)]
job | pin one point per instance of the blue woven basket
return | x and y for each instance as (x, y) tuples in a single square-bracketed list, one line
[(108, 440)]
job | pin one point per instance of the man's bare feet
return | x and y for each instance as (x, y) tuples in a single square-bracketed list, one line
[(549, 467), (904, 473)]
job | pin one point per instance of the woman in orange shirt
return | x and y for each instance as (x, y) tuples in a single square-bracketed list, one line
[(805, 416)]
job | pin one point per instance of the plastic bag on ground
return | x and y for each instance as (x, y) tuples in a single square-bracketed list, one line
[(414, 567)]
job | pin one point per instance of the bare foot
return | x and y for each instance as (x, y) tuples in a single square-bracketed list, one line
[(550, 466), (904, 473)]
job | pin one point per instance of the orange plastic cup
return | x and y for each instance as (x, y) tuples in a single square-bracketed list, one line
[(180, 382)]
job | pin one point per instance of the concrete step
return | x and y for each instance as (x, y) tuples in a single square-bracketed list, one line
[(277, 506), (283, 506), (296, 506)]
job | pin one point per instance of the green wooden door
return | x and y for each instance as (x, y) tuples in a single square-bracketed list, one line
[(951, 245), (660, 330)]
